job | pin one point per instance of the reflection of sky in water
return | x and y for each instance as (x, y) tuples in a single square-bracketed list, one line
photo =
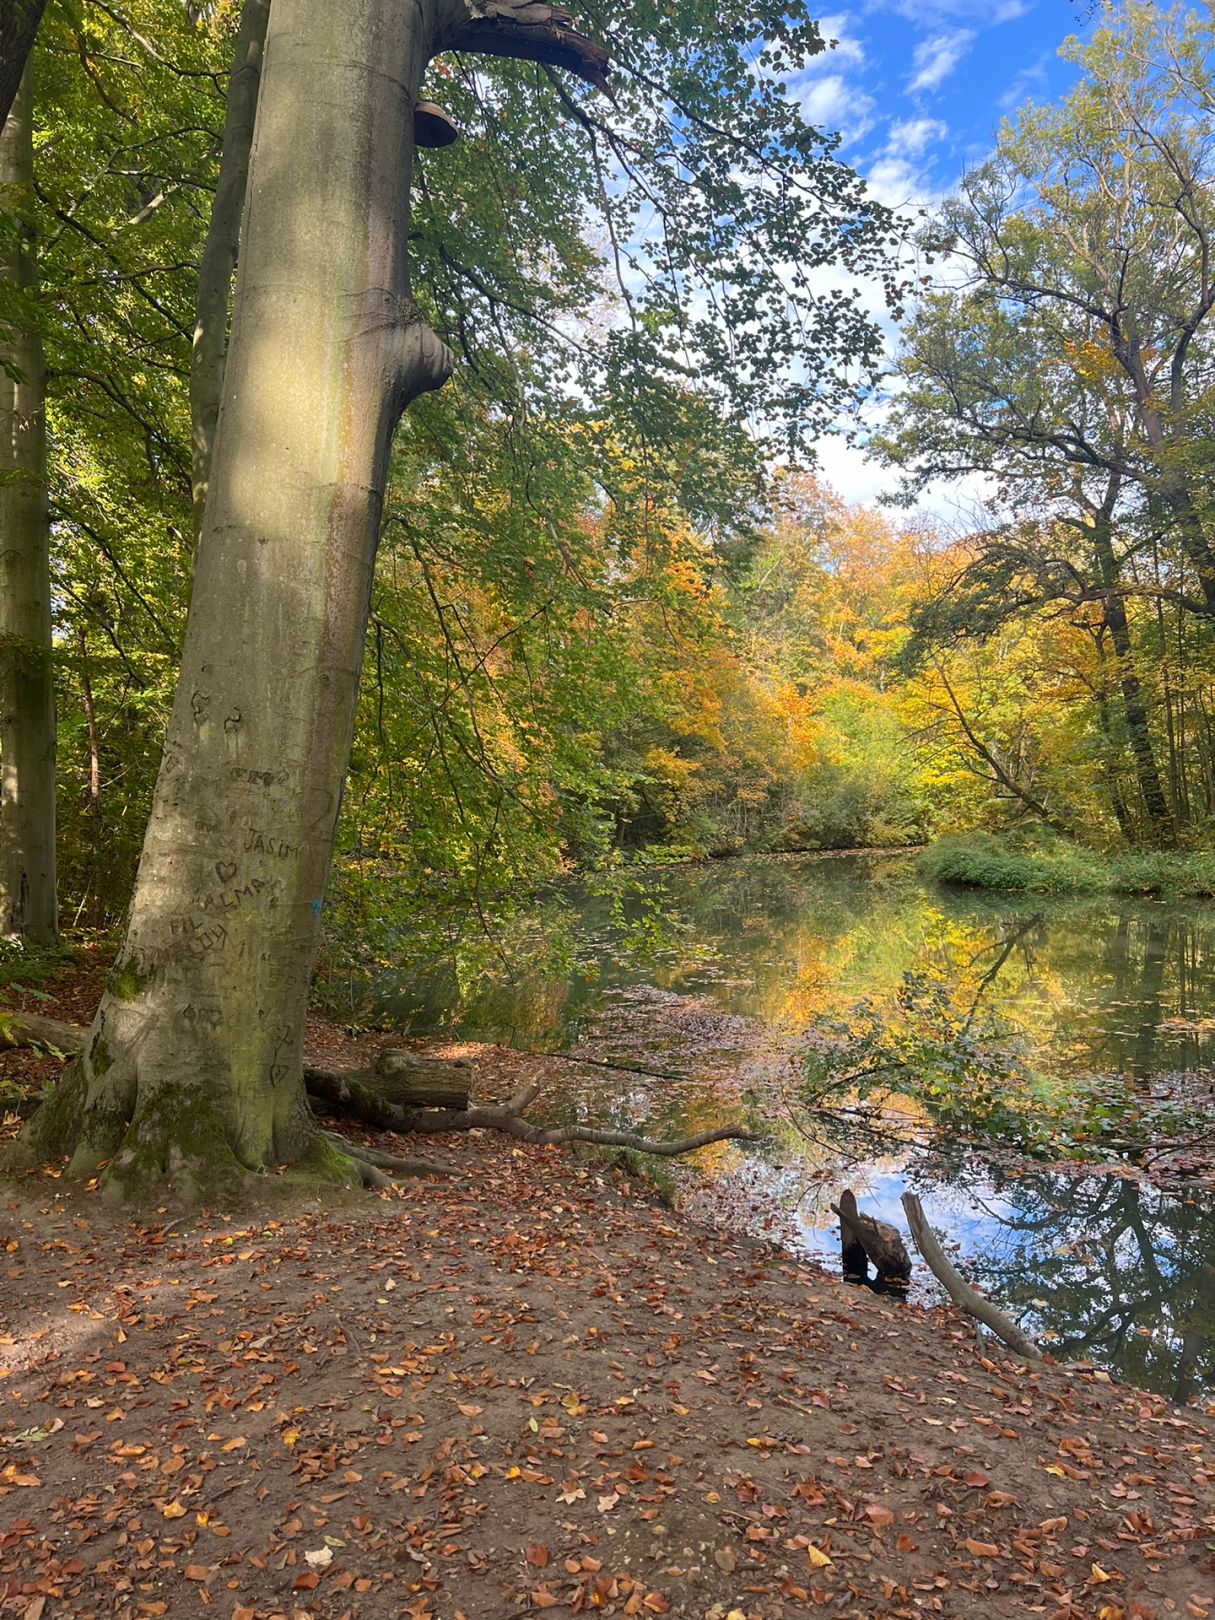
[(1104, 1269), (766, 946)]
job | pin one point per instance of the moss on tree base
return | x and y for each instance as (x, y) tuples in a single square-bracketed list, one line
[(176, 1145), (54, 1130), (323, 1164)]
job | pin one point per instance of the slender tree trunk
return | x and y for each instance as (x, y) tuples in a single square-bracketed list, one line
[(27, 698), (19, 21), (1134, 710), (93, 782), (222, 248), (1112, 785)]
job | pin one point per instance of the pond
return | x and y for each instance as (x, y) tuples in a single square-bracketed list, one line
[(699, 980)]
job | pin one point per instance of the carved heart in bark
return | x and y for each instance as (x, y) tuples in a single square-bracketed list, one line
[(225, 870)]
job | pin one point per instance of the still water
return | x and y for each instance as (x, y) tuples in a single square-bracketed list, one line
[(700, 981)]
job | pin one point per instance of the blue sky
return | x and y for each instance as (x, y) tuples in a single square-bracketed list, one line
[(918, 88)]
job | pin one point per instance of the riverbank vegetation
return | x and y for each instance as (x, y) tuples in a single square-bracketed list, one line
[(1050, 865)]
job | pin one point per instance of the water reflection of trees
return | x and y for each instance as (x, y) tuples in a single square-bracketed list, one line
[(1117, 1269), (786, 941)]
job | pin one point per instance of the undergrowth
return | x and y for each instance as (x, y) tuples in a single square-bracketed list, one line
[(1062, 867)]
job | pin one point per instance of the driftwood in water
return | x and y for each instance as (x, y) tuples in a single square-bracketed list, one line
[(852, 1250), (862, 1238), (965, 1297)]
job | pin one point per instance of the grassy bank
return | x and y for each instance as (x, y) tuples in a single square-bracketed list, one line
[(1059, 867)]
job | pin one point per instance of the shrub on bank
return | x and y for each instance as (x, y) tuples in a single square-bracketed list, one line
[(1062, 867)]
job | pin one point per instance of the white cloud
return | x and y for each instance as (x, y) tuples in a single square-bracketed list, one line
[(1030, 81), (846, 48), (931, 13), (958, 507), (936, 57), (910, 137), (835, 103)]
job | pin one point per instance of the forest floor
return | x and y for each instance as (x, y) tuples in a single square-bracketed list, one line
[(537, 1388)]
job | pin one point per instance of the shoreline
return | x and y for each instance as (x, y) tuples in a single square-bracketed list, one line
[(535, 1387)]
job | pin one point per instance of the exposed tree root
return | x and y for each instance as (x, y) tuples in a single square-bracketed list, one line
[(393, 1163), (355, 1093), (352, 1096)]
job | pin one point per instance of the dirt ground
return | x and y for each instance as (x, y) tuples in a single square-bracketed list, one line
[(537, 1388)]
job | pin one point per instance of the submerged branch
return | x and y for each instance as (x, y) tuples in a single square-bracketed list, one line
[(959, 1290)]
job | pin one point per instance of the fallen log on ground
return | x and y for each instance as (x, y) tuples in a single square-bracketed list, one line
[(32, 1029), (965, 1297), (412, 1080), (863, 1237), (358, 1092), (350, 1093)]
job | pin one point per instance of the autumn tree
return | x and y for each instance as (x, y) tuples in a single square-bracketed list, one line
[(192, 1072), (1070, 364)]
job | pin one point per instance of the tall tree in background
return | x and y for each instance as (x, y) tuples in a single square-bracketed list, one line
[(193, 1065), (1072, 366), (27, 700)]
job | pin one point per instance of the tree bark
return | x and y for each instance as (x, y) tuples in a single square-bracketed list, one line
[(414, 1081), (27, 695), (1134, 710), (96, 825), (222, 249), (192, 1075), (193, 1068), (19, 21)]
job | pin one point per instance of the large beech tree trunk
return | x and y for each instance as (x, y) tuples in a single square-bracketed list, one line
[(27, 697), (194, 1059), (192, 1071)]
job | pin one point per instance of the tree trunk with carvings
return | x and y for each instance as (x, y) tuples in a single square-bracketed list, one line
[(27, 690), (192, 1072)]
